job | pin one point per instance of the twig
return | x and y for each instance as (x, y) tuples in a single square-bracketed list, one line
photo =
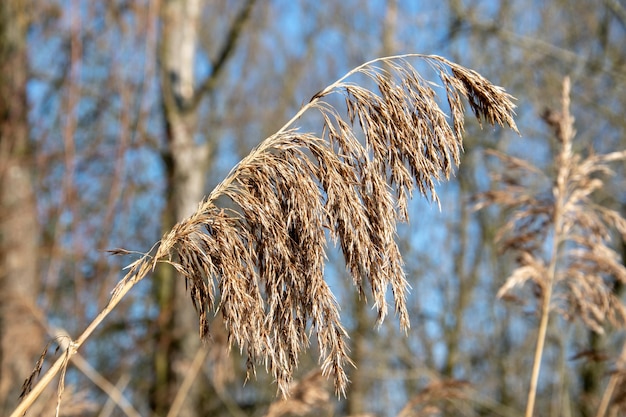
[(111, 403), (113, 392), (190, 376), (610, 388)]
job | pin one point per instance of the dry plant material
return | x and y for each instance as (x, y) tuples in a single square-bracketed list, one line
[(431, 400), (307, 396), (255, 248), (27, 386), (614, 397), (561, 238), (562, 215)]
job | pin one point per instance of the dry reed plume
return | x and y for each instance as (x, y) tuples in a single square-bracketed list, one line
[(255, 248), (561, 238)]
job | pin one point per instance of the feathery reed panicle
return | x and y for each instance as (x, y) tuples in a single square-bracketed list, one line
[(561, 237), (562, 212), (255, 248)]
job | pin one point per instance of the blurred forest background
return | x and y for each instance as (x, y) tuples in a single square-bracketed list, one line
[(119, 116)]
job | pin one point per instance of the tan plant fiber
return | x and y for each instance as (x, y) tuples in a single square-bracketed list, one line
[(255, 248), (306, 396), (429, 401), (561, 238)]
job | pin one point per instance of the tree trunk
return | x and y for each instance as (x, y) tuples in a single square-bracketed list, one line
[(186, 166), (187, 160), (21, 338)]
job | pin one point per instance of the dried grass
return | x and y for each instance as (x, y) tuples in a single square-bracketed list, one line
[(259, 257), (255, 248), (564, 215), (560, 237)]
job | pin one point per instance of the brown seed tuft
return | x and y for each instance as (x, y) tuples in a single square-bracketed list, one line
[(255, 248)]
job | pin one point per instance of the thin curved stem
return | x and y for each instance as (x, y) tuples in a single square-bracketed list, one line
[(72, 349), (263, 146)]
